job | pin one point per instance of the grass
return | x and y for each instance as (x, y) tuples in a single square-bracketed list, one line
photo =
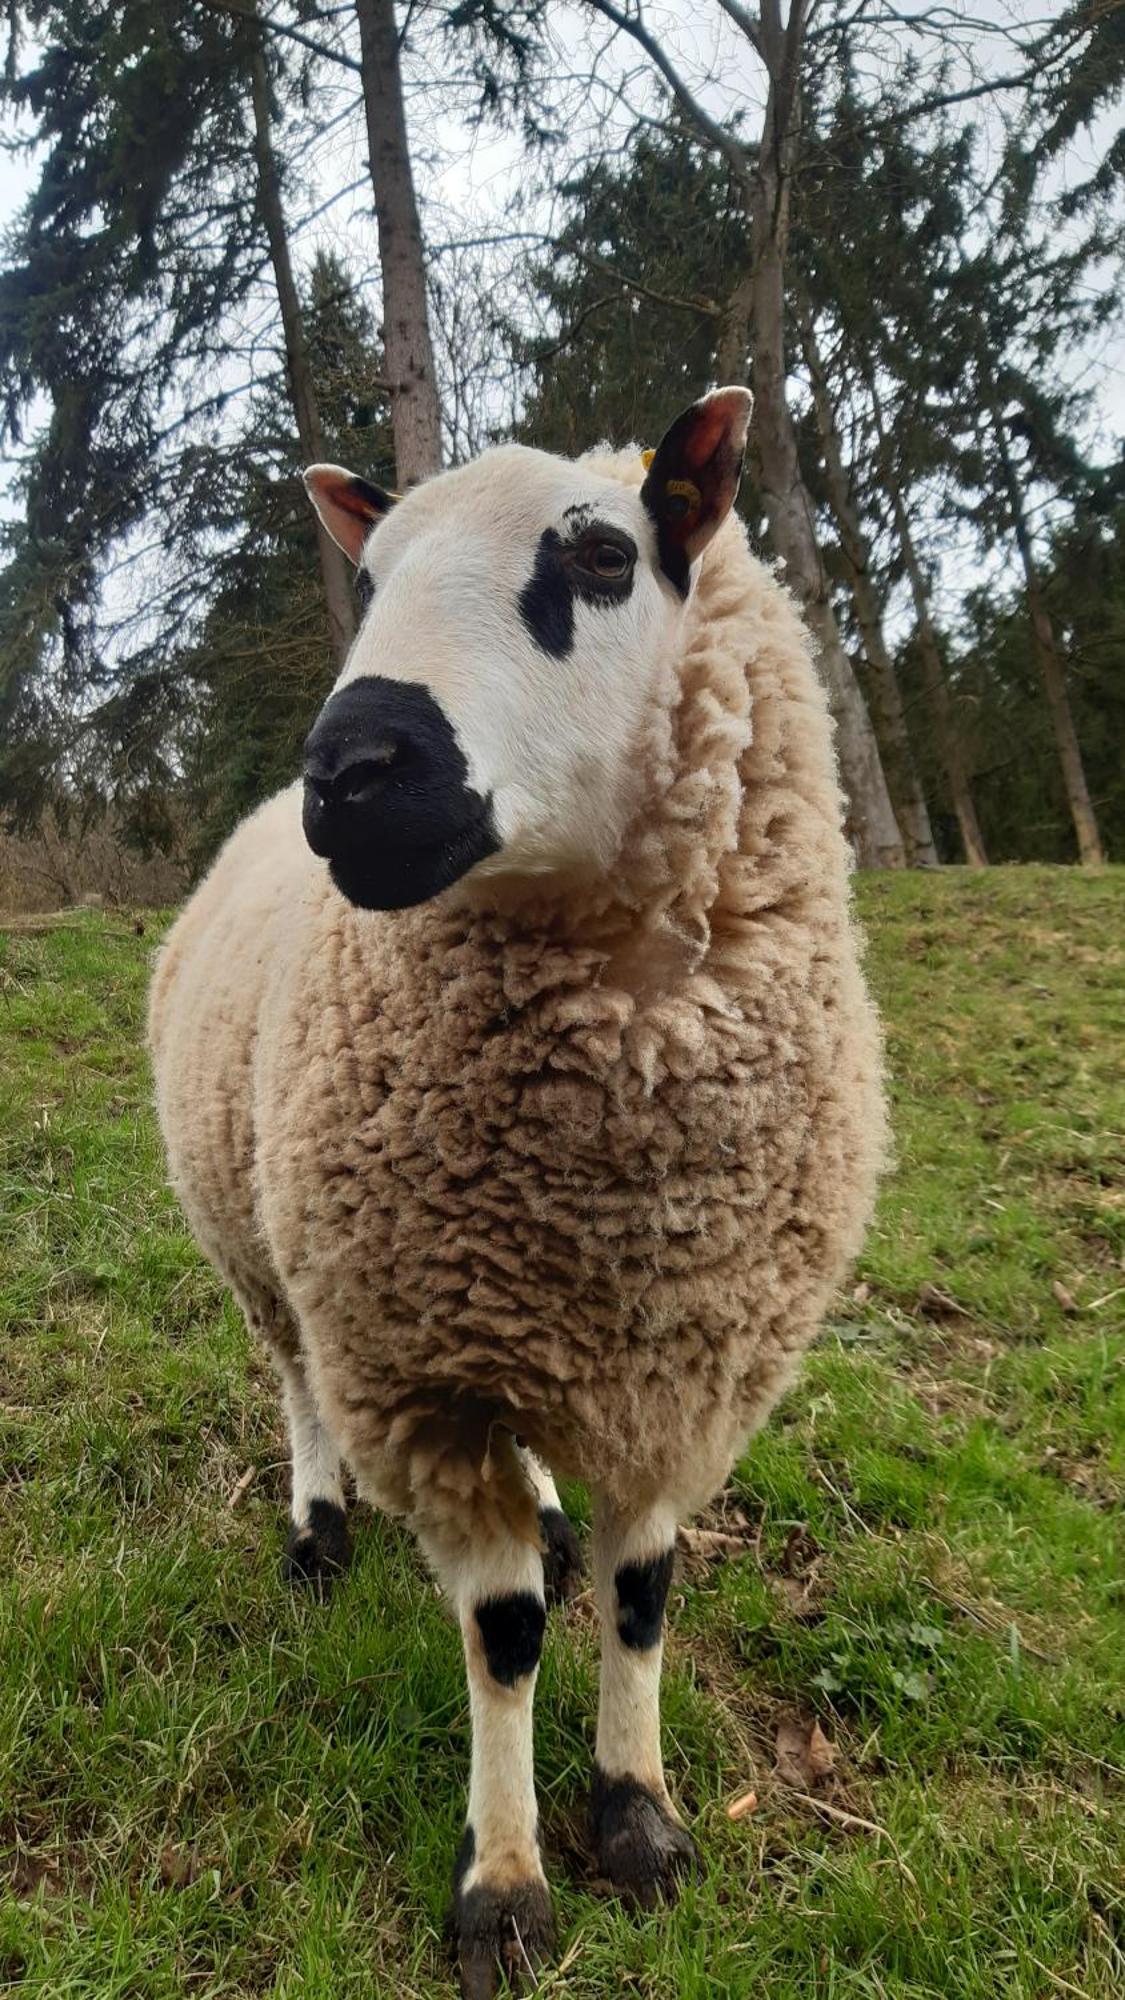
[(209, 1789)]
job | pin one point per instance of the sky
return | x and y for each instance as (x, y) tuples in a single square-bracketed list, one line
[(474, 182)]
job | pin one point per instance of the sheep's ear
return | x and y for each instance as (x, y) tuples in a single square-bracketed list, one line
[(348, 505), (693, 477)]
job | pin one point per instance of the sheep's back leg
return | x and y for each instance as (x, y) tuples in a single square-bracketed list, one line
[(639, 1843), (562, 1555), (487, 1555), (317, 1548)]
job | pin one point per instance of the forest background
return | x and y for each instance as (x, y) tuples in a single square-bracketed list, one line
[(246, 236)]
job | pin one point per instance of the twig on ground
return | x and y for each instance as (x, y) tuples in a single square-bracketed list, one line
[(242, 1486), (851, 1819)]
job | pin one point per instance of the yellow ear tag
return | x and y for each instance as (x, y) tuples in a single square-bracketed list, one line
[(684, 488), (647, 458)]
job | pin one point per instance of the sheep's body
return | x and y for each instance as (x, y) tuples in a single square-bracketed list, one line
[(583, 1165)]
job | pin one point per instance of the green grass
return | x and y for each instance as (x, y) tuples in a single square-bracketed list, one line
[(209, 1789)]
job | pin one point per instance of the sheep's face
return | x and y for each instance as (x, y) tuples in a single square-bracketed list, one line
[(522, 613)]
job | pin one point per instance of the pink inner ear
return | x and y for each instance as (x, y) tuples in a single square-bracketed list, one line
[(717, 416), (340, 490), (345, 506)]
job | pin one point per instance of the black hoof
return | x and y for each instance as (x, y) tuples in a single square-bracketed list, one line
[(318, 1553), (499, 1934), (562, 1556), (638, 1846)]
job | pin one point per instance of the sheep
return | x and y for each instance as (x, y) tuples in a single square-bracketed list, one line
[(517, 1073)]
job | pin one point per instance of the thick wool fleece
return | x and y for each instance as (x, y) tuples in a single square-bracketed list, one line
[(584, 1164)]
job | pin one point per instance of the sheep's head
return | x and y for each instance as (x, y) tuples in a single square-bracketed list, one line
[(520, 612)]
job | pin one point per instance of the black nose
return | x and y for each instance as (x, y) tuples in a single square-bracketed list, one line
[(342, 775), (387, 799), (370, 738)]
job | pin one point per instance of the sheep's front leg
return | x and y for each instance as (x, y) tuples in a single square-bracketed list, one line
[(639, 1843), (501, 1915)]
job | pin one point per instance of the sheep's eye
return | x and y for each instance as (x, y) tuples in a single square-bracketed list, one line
[(612, 562), (364, 588)]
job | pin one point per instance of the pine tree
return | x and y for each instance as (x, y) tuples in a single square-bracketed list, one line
[(251, 679)]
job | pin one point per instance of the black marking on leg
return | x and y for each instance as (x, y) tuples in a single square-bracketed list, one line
[(499, 1932), (637, 1844), (317, 1553), (512, 1631), (642, 1592), (562, 1556), (466, 1855)]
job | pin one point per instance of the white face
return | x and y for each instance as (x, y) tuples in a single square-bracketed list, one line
[(524, 624), (525, 593)]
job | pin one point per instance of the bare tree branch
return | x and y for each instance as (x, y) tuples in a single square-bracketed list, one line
[(746, 21), (724, 141)]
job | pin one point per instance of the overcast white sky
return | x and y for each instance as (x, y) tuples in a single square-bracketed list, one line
[(469, 180)]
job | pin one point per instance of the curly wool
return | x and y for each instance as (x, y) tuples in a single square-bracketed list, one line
[(586, 1162)]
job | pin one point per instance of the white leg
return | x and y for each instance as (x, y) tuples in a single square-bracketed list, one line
[(492, 1568), (638, 1840), (317, 1548)]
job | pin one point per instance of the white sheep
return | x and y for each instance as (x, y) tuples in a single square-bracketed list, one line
[(530, 1095)]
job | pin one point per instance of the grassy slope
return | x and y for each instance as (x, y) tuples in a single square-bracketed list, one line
[(208, 1789)]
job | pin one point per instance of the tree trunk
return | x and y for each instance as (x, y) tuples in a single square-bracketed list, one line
[(338, 595), (906, 791), (415, 410), (1054, 680), (937, 691), (789, 510), (937, 686)]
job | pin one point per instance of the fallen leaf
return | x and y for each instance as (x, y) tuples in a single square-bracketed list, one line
[(178, 1869), (1066, 1299), (741, 1808), (797, 1593), (805, 1757), (821, 1753), (29, 1871)]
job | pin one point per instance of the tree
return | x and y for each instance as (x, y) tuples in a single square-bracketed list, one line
[(1022, 799), (249, 679), (408, 348), (139, 234), (884, 697), (334, 575)]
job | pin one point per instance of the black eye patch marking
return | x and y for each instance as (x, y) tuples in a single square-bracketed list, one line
[(364, 588), (595, 563), (546, 602)]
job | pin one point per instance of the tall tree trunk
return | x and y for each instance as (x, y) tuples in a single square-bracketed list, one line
[(1050, 665), (787, 502), (937, 685), (415, 410), (906, 791), (338, 595)]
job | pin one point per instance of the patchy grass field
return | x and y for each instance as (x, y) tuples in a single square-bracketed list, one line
[(209, 1789)]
